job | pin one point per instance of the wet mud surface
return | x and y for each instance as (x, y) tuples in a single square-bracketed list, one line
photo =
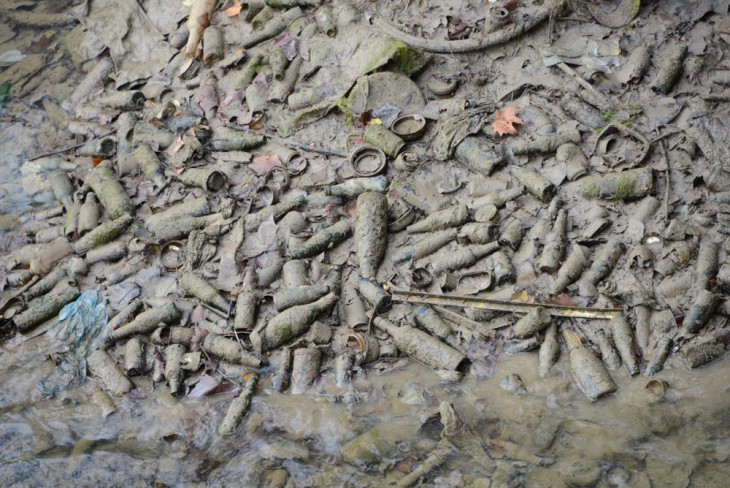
[(271, 243)]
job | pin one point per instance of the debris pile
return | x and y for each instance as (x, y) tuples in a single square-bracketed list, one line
[(233, 251)]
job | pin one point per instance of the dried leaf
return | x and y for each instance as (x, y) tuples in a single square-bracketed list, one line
[(234, 10), (405, 466), (267, 232), (205, 386), (289, 45), (196, 343), (262, 163), (564, 300), (198, 314), (207, 99), (523, 296), (504, 120)]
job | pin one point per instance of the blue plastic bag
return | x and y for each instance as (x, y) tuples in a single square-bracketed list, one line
[(79, 329)]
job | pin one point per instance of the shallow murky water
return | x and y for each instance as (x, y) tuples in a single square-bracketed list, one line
[(549, 436)]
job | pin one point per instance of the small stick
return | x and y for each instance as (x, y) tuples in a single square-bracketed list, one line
[(287, 142), (667, 189), (503, 305), (603, 101), (216, 311), (70, 148), (665, 135)]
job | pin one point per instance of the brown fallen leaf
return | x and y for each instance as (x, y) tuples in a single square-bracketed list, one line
[(504, 120), (234, 10), (523, 296), (262, 163), (564, 300)]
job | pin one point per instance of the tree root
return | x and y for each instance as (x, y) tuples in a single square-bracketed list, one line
[(468, 45)]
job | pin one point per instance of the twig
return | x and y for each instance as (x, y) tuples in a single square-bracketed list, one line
[(70, 148), (220, 313), (666, 134), (287, 142), (468, 45), (668, 187), (605, 104), (503, 305)]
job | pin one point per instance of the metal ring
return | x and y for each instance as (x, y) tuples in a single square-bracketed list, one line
[(409, 127), (442, 85), (368, 161)]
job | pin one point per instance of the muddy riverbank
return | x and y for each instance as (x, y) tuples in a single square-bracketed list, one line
[(307, 243)]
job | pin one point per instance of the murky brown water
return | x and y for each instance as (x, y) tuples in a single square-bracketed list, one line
[(633, 438), (551, 436)]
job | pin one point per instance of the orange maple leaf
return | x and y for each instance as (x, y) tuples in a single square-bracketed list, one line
[(504, 120), (234, 10)]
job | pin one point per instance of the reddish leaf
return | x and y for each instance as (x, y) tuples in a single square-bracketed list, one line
[(262, 163), (197, 341), (405, 466), (234, 10), (207, 98), (198, 314), (289, 45), (564, 300), (504, 120)]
